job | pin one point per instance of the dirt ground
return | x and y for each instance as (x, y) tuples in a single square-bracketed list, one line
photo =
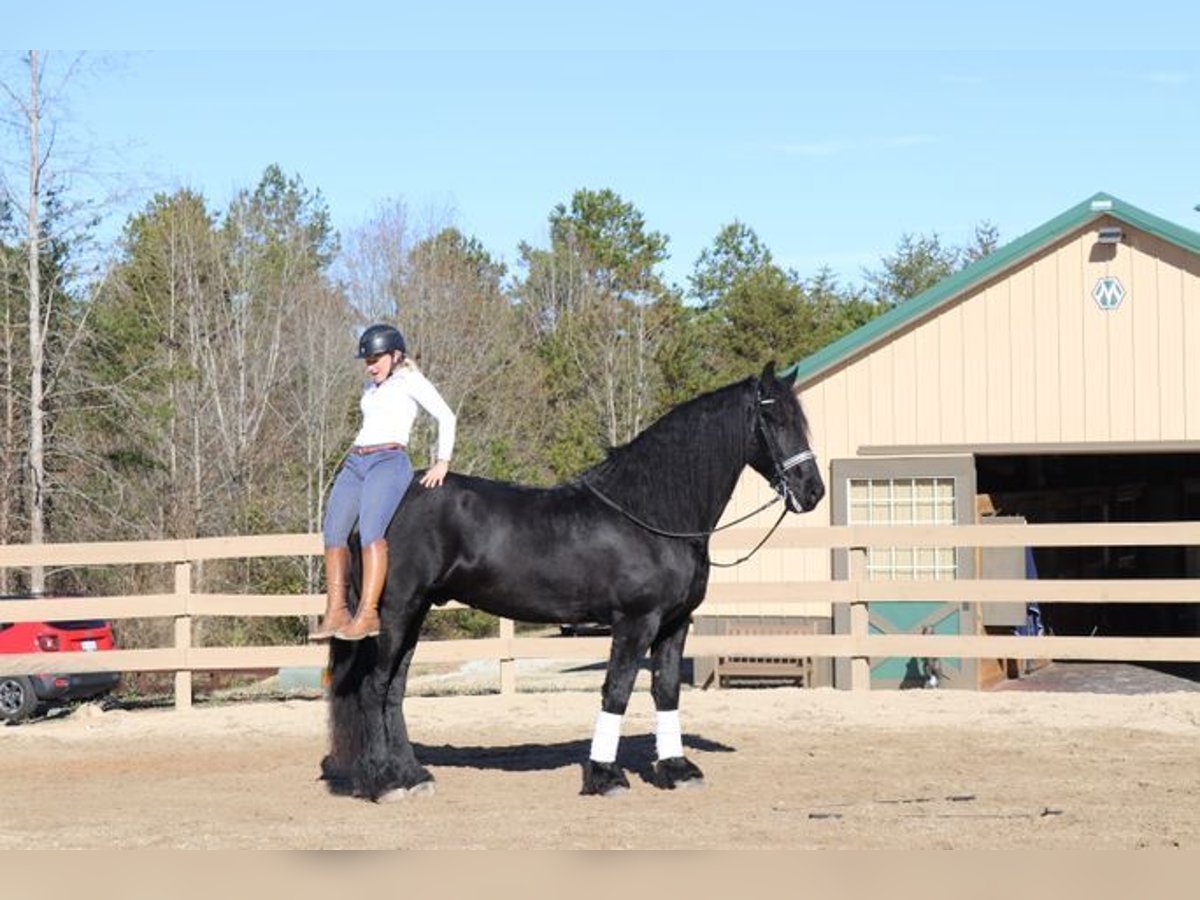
[(785, 768)]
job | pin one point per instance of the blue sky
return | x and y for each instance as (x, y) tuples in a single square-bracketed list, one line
[(830, 134)]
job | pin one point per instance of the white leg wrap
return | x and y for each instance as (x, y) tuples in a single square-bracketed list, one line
[(605, 738), (668, 739)]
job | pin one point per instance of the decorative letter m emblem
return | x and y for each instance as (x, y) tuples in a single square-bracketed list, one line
[(1108, 292)]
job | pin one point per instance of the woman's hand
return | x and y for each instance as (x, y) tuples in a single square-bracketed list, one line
[(436, 474)]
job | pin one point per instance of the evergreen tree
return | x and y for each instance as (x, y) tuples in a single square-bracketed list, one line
[(594, 304)]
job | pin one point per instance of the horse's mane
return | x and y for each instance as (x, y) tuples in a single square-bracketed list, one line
[(679, 473)]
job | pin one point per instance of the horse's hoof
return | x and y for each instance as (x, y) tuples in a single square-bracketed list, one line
[(677, 772), (399, 795), (603, 779), (424, 789)]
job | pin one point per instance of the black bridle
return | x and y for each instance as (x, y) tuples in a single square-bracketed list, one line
[(779, 466)]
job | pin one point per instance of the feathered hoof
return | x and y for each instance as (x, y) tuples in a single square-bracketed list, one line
[(677, 772), (603, 780), (337, 778), (400, 795)]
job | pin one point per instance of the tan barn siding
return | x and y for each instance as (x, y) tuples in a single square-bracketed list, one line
[(1097, 352), (1191, 349), (1023, 347), (858, 407), (1073, 386), (951, 397), (1045, 343), (974, 375), (1146, 387), (880, 384), (1118, 324), (903, 408), (1170, 342), (997, 353), (926, 384)]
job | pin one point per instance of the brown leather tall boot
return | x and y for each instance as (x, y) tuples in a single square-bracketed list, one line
[(366, 617), (337, 577)]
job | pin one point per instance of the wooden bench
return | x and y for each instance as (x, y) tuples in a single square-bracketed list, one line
[(758, 671)]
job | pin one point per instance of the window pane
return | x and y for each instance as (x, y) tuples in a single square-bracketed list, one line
[(905, 501)]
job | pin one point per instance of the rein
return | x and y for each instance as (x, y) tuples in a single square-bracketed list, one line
[(781, 491), (693, 535)]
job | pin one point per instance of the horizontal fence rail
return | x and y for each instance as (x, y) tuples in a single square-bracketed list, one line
[(859, 645)]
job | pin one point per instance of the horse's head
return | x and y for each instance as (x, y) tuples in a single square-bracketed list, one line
[(780, 450)]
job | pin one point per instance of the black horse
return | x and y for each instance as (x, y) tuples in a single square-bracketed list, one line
[(624, 544)]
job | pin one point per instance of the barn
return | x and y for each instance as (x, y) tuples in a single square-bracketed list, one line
[(1055, 380)]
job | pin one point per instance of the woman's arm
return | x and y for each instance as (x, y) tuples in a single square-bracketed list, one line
[(431, 401)]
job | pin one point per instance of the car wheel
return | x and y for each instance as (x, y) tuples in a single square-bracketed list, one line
[(17, 699)]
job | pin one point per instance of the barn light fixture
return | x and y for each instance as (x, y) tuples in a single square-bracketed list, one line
[(1110, 235)]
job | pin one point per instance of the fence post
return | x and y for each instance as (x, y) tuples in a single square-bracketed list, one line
[(183, 635), (860, 617), (508, 666)]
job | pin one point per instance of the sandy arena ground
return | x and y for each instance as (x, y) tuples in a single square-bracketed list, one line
[(786, 768)]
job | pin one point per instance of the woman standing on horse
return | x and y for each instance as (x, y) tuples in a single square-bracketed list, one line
[(374, 478)]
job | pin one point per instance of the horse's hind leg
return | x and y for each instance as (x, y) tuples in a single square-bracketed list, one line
[(349, 665), (631, 640), (410, 777), (671, 769), (387, 764)]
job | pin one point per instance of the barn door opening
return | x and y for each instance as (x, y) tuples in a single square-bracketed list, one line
[(1108, 487)]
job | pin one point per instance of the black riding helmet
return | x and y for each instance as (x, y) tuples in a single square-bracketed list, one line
[(380, 339)]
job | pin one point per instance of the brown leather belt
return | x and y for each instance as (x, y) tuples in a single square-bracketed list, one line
[(375, 448)]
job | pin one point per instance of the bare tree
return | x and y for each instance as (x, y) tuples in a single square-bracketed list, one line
[(50, 223), (9, 441), (140, 447)]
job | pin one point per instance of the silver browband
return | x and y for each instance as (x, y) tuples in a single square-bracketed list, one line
[(802, 457)]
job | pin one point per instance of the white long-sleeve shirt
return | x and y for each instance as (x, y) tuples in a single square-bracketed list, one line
[(389, 410)]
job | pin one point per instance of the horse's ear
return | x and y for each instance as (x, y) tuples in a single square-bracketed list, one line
[(768, 373)]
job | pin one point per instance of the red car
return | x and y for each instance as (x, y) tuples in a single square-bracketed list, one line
[(21, 695)]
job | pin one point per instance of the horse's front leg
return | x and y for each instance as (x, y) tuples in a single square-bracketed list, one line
[(631, 639), (671, 768)]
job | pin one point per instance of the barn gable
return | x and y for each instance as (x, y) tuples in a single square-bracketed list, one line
[(1095, 212), (1055, 338)]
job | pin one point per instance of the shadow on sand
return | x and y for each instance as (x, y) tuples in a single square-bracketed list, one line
[(636, 755)]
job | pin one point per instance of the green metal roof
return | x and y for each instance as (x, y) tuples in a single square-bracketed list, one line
[(999, 260)]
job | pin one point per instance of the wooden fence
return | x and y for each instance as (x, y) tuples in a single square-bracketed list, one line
[(858, 646)]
